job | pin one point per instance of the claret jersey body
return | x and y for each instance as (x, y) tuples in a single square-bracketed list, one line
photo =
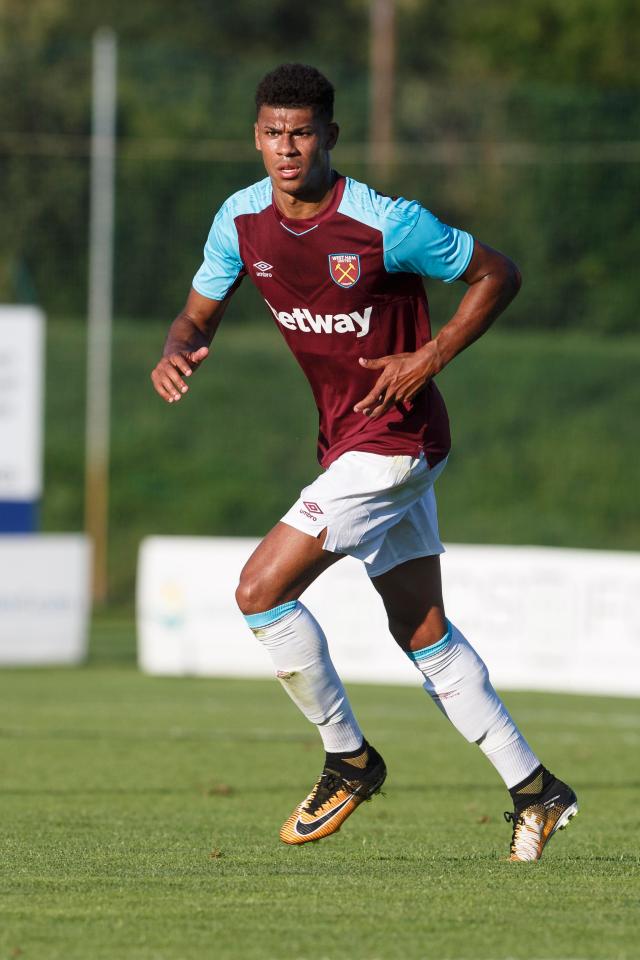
[(343, 285)]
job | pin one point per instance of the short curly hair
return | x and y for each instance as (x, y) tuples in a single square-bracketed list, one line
[(296, 85)]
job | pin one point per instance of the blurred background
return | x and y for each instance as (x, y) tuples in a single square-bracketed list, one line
[(519, 122)]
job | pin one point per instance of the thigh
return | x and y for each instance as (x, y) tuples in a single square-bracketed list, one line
[(412, 596), (283, 565)]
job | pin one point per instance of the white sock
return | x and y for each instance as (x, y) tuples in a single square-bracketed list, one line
[(458, 682), (300, 655)]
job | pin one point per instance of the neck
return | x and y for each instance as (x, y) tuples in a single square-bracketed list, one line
[(311, 201)]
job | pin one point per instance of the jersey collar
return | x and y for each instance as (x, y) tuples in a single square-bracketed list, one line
[(298, 227)]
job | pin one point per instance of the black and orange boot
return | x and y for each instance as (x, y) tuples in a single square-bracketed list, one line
[(344, 784)]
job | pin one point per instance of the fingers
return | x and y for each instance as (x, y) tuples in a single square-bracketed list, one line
[(165, 386), (181, 363), (398, 383), (167, 379), (375, 364), (377, 400), (367, 403), (372, 399), (380, 405), (198, 356)]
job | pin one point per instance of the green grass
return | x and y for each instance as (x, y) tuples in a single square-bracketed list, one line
[(545, 446), (140, 820)]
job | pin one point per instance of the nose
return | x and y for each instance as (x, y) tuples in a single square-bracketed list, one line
[(287, 146)]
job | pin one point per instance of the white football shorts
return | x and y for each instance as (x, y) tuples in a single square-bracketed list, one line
[(378, 509)]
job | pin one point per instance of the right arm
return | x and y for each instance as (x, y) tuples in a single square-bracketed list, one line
[(187, 344), (192, 331)]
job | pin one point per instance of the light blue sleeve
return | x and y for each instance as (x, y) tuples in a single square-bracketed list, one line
[(222, 264), (414, 240), (430, 248)]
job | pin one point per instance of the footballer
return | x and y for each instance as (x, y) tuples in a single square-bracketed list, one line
[(340, 268)]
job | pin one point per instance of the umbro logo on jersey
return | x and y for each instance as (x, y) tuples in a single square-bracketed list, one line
[(300, 318), (344, 268), (262, 268)]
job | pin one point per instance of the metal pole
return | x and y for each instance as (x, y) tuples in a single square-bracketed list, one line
[(100, 302), (382, 61)]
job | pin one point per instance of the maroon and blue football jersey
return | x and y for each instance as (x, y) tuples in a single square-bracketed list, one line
[(343, 285)]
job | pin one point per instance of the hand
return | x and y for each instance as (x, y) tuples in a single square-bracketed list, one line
[(167, 375), (403, 376)]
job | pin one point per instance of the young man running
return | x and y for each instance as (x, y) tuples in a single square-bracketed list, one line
[(339, 267)]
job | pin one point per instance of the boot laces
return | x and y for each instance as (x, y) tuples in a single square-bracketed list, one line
[(328, 784), (525, 838)]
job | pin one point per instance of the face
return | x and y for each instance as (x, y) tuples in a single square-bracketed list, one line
[(295, 147)]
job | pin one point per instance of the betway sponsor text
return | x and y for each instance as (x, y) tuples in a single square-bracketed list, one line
[(300, 318)]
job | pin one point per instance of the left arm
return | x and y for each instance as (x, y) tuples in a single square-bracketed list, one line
[(493, 281)]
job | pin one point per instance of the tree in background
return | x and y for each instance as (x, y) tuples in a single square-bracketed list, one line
[(515, 116)]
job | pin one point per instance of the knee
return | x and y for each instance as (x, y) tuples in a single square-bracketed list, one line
[(401, 631), (413, 633), (253, 595)]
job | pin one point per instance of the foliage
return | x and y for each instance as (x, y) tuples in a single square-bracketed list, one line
[(553, 80)]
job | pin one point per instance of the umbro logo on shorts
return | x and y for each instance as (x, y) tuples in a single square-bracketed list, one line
[(263, 268), (312, 510)]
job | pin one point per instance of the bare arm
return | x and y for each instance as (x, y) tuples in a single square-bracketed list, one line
[(187, 344), (493, 281)]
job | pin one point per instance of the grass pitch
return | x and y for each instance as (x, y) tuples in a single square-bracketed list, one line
[(140, 821)]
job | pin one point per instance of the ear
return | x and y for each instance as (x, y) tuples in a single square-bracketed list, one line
[(257, 138), (333, 132)]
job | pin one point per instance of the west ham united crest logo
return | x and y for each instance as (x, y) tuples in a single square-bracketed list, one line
[(344, 268)]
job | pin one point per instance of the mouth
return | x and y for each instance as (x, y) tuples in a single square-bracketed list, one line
[(288, 171)]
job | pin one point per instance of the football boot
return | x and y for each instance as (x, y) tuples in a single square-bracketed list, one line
[(341, 788), (535, 824)]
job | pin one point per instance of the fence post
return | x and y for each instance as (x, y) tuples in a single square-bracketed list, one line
[(100, 304)]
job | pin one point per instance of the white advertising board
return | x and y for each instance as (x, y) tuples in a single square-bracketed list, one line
[(44, 599), (21, 398), (539, 616)]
